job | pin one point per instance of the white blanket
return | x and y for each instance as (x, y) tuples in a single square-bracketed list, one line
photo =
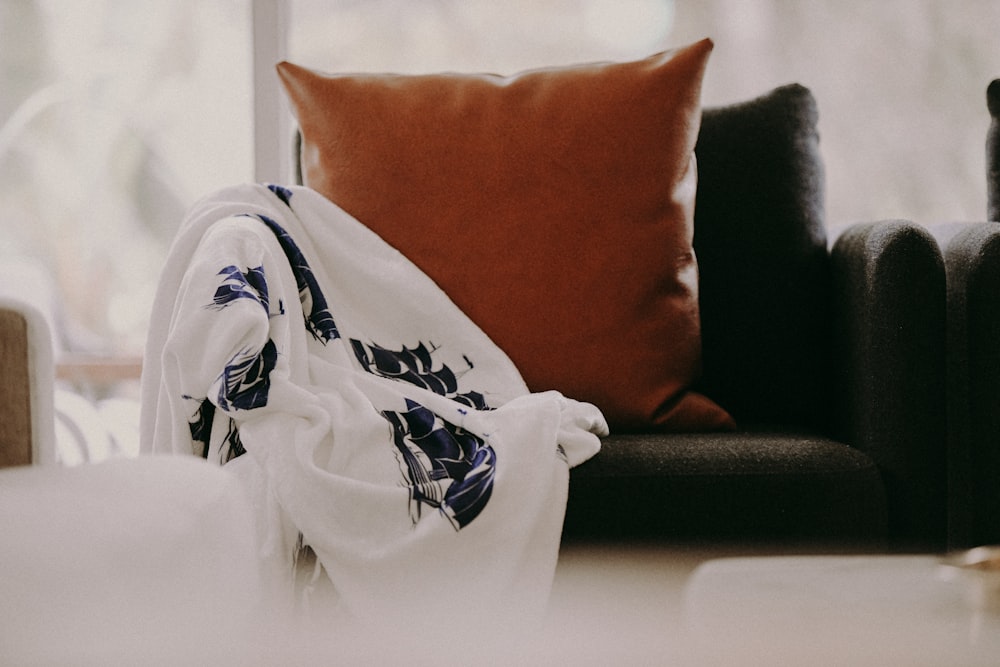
[(382, 428)]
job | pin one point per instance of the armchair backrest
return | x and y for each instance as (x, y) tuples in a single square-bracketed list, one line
[(762, 254), (763, 261)]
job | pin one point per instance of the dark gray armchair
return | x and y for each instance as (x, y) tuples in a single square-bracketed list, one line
[(972, 256), (831, 360)]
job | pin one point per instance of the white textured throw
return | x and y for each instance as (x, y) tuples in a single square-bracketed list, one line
[(381, 427)]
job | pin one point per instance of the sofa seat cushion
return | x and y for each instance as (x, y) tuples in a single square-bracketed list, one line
[(756, 486)]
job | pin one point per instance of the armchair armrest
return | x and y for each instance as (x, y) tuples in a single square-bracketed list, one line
[(972, 261), (27, 430), (889, 360)]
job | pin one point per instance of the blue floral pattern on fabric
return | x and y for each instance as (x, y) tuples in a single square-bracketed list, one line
[(234, 446), (416, 366), (448, 467), (319, 320), (250, 284), (201, 424), (282, 193), (246, 379)]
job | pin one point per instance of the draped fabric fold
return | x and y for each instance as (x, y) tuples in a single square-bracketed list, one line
[(384, 441)]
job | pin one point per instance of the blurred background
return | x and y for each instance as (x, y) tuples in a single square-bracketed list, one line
[(116, 115)]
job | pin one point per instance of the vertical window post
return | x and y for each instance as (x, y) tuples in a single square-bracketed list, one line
[(272, 125)]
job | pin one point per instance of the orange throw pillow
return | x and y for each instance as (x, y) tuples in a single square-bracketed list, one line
[(555, 207)]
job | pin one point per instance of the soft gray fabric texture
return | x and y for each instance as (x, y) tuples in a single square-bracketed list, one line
[(838, 352), (750, 487), (972, 257), (888, 368), (761, 247), (831, 362)]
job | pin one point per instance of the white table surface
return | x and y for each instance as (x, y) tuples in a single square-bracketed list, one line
[(611, 605), (653, 606), (836, 610)]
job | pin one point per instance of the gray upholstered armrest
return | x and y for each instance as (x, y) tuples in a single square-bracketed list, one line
[(972, 259), (889, 346)]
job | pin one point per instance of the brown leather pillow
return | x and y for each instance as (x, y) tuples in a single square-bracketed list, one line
[(555, 207)]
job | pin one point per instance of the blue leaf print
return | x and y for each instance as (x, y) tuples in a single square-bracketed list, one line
[(416, 366), (319, 320), (284, 194), (201, 424), (250, 284), (448, 468), (246, 379), (233, 445)]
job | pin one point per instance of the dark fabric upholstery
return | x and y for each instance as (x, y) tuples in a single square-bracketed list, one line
[(840, 354), (972, 257), (993, 152), (761, 248), (751, 487), (889, 368), (879, 471), (844, 348)]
